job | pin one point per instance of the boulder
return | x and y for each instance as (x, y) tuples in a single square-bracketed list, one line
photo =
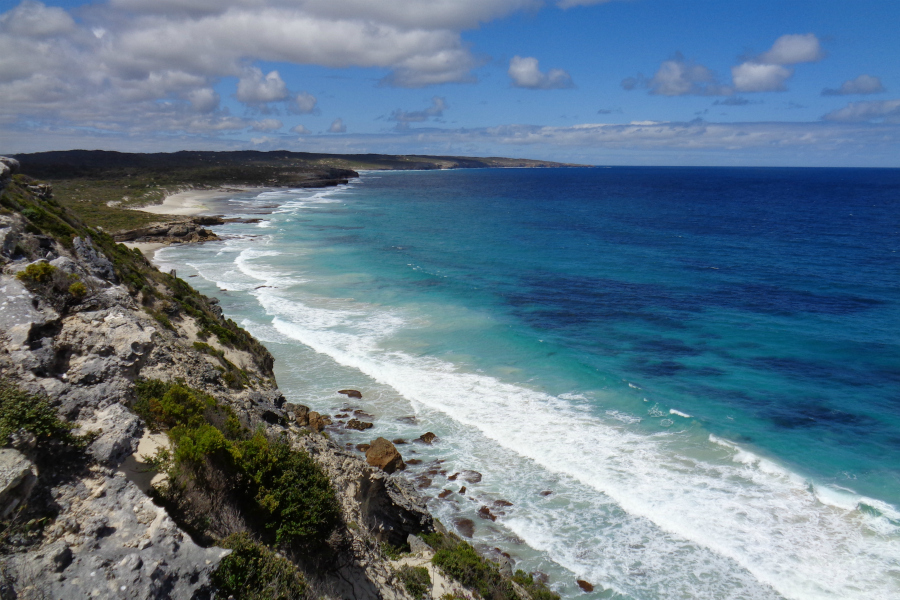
[(99, 265), (485, 513), (351, 393), (584, 585), (384, 455), (417, 545), (358, 425), (426, 438), (466, 527), (301, 413), (318, 422), (11, 164), (444, 494), (18, 476)]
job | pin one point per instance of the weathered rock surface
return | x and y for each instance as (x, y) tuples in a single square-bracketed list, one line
[(318, 422), (111, 541), (384, 455), (179, 232), (384, 508), (351, 393), (18, 476)]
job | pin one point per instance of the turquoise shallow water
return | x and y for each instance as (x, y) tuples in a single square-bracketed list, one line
[(702, 365)]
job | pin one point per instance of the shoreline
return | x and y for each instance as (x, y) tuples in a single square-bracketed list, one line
[(189, 203)]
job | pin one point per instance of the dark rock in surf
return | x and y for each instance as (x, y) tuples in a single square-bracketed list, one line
[(470, 476), (384, 455), (358, 425), (426, 438), (466, 527), (351, 393), (584, 585), (485, 513)]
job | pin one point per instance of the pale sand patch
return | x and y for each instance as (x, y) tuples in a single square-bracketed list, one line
[(190, 202), (148, 249), (136, 467)]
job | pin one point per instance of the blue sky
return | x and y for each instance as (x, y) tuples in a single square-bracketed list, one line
[(615, 82)]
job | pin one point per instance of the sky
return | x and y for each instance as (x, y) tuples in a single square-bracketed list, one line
[(604, 82)]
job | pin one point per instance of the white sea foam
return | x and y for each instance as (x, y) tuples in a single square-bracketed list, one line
[(730, 502), (672, 411)]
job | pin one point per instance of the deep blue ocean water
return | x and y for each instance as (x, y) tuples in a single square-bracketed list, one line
[(702, 364)]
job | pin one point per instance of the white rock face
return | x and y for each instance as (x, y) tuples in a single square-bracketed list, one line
[(18, 476)]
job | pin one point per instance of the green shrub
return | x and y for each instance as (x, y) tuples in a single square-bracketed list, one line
[(460, 561), (168, 404), (253, 572), (78, 290), (280, 491), (20, 410), (291, 494), (415, 580), (39, 272), (536, 589)]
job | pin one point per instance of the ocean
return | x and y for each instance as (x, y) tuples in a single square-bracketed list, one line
[(686, 381)]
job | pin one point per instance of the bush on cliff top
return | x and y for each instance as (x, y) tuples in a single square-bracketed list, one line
[(21, 411), (216, 466), (253, 572), (460, 561), (415, 580)]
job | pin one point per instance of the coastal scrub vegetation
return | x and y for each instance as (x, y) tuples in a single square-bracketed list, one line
[(163, 295), (254, 572), (24, 413), (31, 425), (462, 562), (223, 478), (61, 289), (415, 580)]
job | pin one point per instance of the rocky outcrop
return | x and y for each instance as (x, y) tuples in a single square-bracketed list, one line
[(358, 425), (384, 455), (8, 168), (18, 476), (111, 541), (317, 422), (177, 232)]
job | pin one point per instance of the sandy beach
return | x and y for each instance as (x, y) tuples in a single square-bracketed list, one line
[(148, 249), (190, 202)]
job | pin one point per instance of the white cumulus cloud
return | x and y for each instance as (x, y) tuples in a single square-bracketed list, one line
[(300, 130), (337, 126), (305, 103), (525, 73), (792, 49), (757, 77), (864, 84), (267, 125), (253, 88), (887, 111)]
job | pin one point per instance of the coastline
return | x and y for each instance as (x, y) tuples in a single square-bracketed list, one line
[(190, 203)]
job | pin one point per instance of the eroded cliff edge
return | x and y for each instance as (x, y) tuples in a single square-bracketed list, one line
[(82, 321)]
